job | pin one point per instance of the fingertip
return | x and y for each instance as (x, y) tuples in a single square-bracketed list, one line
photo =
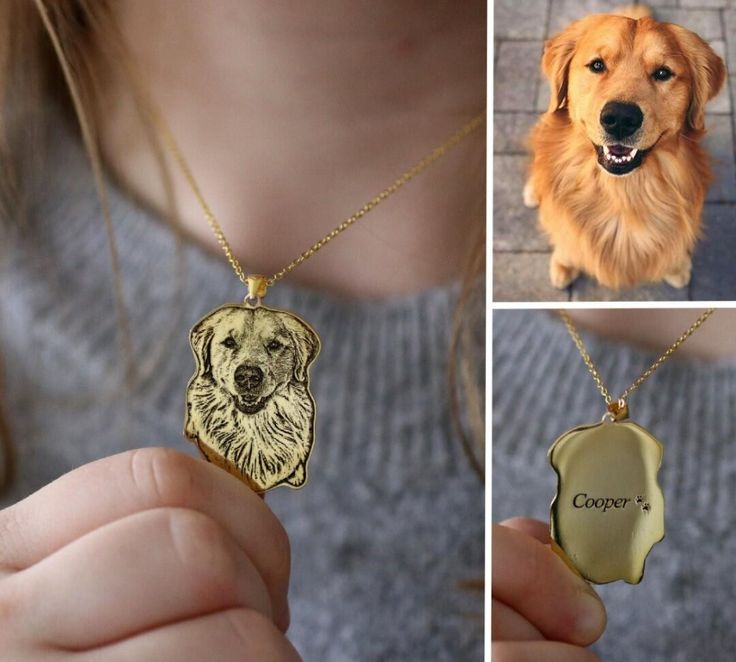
[(588, 618), (591, 620), (537, 583), (532, 527)]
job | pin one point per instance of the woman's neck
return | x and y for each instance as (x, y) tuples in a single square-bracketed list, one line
[(657, 329), (293, 115)]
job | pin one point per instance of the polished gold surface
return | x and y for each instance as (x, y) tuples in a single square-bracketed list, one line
[(608, 512), (257, 287), (249, 407)]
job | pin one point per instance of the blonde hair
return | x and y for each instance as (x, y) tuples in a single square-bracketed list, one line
[(58, 52)]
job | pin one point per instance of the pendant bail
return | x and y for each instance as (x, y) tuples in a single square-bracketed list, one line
[(257, 288), (619, 409)]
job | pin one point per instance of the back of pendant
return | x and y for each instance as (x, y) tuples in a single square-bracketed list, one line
[(608, 512)]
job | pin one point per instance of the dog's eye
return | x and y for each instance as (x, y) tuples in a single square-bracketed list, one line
[(274, 346), (229, 343), (663, 73), (597, 66)]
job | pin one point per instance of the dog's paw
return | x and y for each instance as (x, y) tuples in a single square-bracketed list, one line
[(560, 275), (530, 196), (681, 277)]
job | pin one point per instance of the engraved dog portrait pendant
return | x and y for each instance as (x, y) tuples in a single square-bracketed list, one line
[(249, 408), (608, 512)]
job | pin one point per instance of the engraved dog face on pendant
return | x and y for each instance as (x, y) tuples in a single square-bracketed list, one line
[(608, 512), (249, 408)]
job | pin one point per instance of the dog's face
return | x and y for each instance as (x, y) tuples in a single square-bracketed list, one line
[(253, 353), (629, 83)]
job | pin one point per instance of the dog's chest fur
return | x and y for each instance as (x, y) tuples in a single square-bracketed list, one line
[(274, 441), (625, 229)]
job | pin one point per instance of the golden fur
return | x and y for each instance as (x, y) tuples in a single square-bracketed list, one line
[(643, 226), (260, 430)]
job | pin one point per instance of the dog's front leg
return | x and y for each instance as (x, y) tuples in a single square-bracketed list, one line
[(681, 275), (561, 271)]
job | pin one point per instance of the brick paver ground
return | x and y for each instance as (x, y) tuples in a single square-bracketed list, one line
[(521, 253)]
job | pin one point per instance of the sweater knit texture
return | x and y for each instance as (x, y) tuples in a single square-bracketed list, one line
[(391, 519), (684, 608)]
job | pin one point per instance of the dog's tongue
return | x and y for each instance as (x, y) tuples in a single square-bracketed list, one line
[(619, 150)]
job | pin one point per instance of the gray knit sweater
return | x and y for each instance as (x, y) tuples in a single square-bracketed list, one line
[(391, 519), (684, 609)]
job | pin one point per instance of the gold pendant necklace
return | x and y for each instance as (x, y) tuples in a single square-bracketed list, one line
[(608, 511), (248, 405)]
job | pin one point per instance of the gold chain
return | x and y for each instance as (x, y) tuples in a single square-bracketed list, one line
[(262, 282), (619, 405)]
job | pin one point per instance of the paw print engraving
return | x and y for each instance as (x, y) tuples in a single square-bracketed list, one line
[(644, 505)]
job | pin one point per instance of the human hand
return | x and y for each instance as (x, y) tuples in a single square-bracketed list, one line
[(541, 610), (145, 555)]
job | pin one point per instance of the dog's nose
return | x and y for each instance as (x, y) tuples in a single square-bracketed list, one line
[(620, 120), (248, 376)]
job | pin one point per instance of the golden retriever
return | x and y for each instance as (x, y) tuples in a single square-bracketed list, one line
[(249, 408), (617, 170)]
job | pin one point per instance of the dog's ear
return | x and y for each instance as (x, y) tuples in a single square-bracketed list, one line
[(306, 344), (201, 339), (707, 70), (558, 52)]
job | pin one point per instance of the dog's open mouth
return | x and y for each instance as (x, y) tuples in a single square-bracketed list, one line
[(620, 159), (249, 404)]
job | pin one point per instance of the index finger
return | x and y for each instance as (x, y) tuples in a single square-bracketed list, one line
[(121, 485), (531, 579)]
